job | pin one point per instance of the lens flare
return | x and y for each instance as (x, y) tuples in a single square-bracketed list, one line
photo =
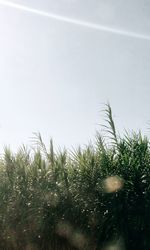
[(113, 184)]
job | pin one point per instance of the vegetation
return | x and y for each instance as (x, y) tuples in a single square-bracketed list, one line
[(92, 198)]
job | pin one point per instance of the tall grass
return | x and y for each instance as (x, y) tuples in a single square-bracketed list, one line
[(92, 198)]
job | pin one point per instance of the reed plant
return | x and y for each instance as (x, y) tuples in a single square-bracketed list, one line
[(93, 198)]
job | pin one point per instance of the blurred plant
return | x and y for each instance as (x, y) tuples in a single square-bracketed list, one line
[(89, 198)]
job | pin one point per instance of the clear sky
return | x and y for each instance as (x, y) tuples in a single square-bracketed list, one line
[(55, 76)]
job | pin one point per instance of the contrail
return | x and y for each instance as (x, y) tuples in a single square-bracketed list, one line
[(74, 21)]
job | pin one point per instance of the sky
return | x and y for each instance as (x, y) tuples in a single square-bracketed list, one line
[(56, 76)]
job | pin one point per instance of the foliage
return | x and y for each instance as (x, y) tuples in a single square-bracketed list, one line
[(91, 198)]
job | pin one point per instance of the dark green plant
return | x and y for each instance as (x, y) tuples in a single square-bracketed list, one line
[(91, 198)]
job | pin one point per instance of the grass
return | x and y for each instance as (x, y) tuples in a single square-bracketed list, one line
[(92, 198)]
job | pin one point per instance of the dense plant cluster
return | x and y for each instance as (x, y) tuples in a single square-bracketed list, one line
[(92, 198)]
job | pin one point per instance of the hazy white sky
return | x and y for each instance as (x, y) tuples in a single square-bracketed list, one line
[(55, 76)]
